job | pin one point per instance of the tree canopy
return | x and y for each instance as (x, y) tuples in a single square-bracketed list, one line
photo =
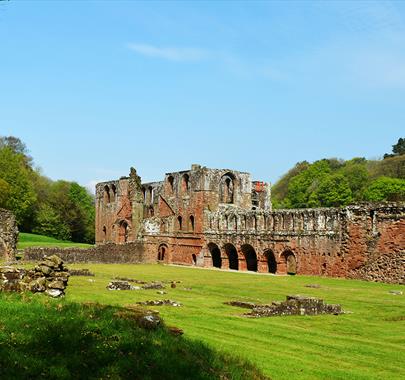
[(333, 182), (61, 209)]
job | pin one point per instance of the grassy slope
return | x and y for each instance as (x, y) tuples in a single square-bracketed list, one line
[(367, 344), (56, 339), (32, 240)]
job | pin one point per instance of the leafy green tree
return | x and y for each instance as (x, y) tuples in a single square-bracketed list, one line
[(305, 183), (48, 223), (5, 189), (399, 148), (18, 147), (357, 176), (21, 196), (386, 189), (332, 191), (280, 189)]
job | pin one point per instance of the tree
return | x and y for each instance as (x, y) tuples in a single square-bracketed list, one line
[(332, 191), (357, 176), (386, 189), (305, 183), (5, 189), (48, 223), (21, 196), (18, 147), (399, 148)]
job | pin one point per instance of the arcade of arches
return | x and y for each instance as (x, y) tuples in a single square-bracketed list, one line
[(246, 258)]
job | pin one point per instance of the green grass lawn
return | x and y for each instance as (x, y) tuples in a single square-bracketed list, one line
[(26, 240), (42, 338), (368, 343)]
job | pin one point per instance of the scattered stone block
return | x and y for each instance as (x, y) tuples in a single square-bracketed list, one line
[(294, 305), (49, 276), (81, 272), (396, 292), (159, 303)]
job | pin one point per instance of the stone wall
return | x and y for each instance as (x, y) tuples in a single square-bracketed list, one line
[(106, 253), (389, 268), (8, 235)]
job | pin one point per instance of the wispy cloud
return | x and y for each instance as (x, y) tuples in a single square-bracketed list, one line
[(179, 54)]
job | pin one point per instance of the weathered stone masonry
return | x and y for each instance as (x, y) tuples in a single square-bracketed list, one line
[(8, 235), (221, 218)]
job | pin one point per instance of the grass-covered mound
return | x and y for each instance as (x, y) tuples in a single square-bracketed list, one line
[(26, 240), (53, 339)]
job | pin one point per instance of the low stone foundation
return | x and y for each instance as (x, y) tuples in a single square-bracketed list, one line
[(106, 253), (294, 305)]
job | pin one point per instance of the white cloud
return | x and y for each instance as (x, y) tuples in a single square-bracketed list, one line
[(178, 54)]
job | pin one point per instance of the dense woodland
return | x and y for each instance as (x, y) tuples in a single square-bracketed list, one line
[(333, 182), (62, 209)]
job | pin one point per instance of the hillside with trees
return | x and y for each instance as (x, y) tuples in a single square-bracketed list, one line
[(332, 182), (61, 209)]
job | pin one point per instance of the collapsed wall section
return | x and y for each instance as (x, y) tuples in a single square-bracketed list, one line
[(8, 235)]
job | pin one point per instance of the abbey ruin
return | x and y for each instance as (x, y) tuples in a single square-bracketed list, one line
[(221, 218)]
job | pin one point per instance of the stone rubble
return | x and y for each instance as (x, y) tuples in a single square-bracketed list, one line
[(159, 303), (81, 272), (294, 305), (49, 276), (388, 268), (126, 285)]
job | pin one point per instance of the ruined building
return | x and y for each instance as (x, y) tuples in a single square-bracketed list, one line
[(221, 218), (8, 235)]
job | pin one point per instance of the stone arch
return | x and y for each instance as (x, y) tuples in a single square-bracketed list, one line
[(162, 250), (150, 194), (106, 195), (104, 233), (179, 223), (250, 257), (290, 262), (271, 261), (227, 188), (191, 223), (185, 183), (123, 231), (144, 194), (114, 192), (194, 258), (232, 254), (170, 181), (215, 255)]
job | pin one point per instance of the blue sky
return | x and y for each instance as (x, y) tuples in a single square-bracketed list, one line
[(93, 88)]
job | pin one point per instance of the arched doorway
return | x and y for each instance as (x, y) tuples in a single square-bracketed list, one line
[(271, 261), (290, 262), (162, 252), (232, 254), (215, 255), (227, 188), (250, 256), (123, 232)]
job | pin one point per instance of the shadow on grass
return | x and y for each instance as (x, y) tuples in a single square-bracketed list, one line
[(43, 338)]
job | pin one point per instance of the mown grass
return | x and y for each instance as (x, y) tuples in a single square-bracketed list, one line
[(57, 339), (369, 343), (26, 240)]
